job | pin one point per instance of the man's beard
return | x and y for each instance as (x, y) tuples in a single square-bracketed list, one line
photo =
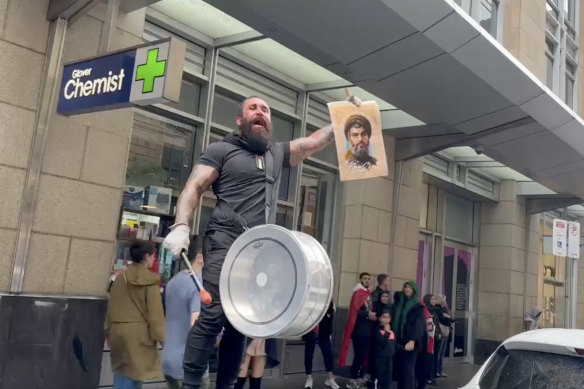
[(360, 152), (258, 139)]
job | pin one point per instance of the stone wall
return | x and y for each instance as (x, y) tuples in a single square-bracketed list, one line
[(524, 33), (83, 171)]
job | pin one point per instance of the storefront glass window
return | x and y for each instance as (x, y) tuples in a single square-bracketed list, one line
[(316, 202), (459, 219), (570, 10), (488, 15), (225, 110), (190, 93), (160, 152), (424, 209)]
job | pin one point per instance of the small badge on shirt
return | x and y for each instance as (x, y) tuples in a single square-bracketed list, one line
[(260, 164)]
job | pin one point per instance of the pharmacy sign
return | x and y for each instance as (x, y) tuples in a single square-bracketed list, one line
[(140, 75)]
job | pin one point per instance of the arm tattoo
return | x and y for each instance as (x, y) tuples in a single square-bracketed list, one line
[(305, 147)]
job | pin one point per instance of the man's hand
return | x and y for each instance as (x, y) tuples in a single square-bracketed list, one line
[(178, 240), (410, 345), (355, 100), (303, 148)]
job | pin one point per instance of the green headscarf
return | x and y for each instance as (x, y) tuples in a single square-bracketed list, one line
[(404, 307)]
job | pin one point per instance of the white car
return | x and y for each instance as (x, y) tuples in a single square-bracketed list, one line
[(541, 359)]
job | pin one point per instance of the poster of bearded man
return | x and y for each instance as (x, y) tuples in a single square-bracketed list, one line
[(358, 138)]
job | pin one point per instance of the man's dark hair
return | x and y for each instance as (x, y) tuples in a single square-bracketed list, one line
[(242, 104), (138, 251), (381, 278), (364, 274), (356, 121), (195, 247)]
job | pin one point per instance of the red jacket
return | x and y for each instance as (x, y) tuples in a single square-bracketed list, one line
[(360, 296)]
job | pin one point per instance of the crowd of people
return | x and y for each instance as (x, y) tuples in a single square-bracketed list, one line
[(403, 340)]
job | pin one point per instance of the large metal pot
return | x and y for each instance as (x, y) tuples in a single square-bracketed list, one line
[(275, 283)]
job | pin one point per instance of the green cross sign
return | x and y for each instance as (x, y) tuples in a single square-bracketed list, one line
[(151, 70)]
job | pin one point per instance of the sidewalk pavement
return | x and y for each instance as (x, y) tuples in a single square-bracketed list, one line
[(458, 375)]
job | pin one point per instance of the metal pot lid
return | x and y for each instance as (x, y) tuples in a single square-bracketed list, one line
[(263, 280)]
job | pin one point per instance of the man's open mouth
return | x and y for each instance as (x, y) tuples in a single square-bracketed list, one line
[(259, 122)]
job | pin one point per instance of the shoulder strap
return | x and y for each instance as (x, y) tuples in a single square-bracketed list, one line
[(144, 316), (273, 159)]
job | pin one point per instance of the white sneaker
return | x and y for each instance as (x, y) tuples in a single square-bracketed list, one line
[(352, 384), (308, 384), (331, 383)]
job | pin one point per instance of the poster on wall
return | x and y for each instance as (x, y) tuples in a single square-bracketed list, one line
[(358, 138), (559, 238), (574, 240)]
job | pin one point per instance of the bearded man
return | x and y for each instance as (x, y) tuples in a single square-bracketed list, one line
[(244, 170), (358, 134)]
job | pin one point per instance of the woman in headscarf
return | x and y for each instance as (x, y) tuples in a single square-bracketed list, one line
[(383, 302), (445, 324), (409, 323), (432, 358), (531, 319)]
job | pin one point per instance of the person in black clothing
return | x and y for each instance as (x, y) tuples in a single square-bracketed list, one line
[(409, 324), (383, 285), (385, 348), (445, 323), (432, 359), (358, 330), (321, 335), (244, 170), (362, 333), (382, 304)]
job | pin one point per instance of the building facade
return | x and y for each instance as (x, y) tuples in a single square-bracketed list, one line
[(460, 223)]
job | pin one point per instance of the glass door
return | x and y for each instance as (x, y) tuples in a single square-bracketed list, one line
[(424, 273), (316, 204), (457, 286)]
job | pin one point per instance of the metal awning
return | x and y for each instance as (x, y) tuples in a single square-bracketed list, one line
[(432, 60)]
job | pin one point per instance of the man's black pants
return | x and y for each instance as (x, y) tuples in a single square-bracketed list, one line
[(324, 342), (360, 347), (202, 339)]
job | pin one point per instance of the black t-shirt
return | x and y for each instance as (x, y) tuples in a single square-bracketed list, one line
[(241, 185)]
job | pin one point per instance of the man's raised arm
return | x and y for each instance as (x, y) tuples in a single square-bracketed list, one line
[(303, 148), (199, 181)]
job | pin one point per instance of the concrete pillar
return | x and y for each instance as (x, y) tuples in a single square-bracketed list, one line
[(508, 269)]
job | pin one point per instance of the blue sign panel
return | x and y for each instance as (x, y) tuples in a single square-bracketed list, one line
[(140, 75), (101, 82)]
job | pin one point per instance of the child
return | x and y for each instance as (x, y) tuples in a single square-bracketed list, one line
[(385, 347)]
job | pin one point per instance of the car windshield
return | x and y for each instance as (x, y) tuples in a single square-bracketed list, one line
[(520, 369)]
